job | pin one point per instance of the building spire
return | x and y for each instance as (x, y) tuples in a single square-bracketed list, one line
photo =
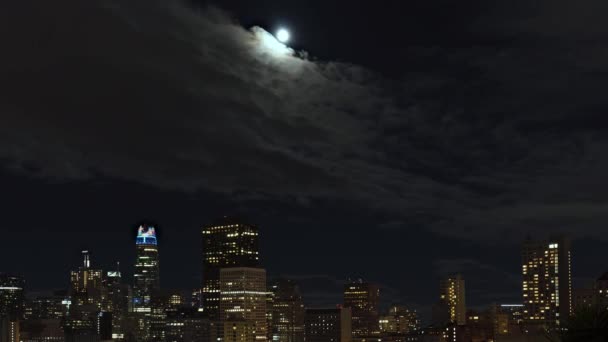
[(86, 259)]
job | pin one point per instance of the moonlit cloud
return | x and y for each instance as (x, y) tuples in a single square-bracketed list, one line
[(190, 100)]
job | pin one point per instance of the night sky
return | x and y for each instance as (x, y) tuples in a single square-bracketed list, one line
[(400, 142)]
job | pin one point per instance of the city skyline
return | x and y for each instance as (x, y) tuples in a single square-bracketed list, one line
[(251, 307), (451, 283), (402, 143)]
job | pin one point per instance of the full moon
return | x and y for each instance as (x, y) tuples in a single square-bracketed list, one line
[(283, 35)]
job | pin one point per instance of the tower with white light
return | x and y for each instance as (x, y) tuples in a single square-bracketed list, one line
[(146, 277)]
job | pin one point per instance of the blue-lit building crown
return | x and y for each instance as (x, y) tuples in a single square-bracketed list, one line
[(146, 236)]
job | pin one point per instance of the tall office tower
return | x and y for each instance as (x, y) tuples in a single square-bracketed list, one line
[(243, 303), (287, 311), (399, 320), (86, 298), (118, 301), (12, 307), (363, 298), (547, 281), (12, 297), (162, 303), (146, 278), (226, 243), (452, 292), (9, 329), (86, 284), (328, 325)]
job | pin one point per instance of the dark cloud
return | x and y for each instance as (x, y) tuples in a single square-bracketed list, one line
[(489, 137)]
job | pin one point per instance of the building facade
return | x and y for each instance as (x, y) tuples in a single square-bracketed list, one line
[(243, 302), (547, 281), (146, 277), (287, 311), (328, 325), (363, 299), (187, 325), (119, 301), (12, 296), (86, 295), (226, 243), (452, 293), (399, 320)]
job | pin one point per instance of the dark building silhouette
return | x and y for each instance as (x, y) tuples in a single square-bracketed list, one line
[(85, 304), (187, 325), (328, 325), (363, 299), (118, 301), (12, 296), (287, 311)]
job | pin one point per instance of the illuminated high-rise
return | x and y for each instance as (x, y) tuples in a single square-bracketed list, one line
[(86, 298), (118, 301), (9, 329), (363, 299), (287, 311), (452, 292), (227, 243), (243, 303), (86, 284), (12, 298), (146, 278), (547, 281), (12, 307)]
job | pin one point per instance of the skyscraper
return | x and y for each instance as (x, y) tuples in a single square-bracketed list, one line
[(287, 311), (118, 301), (146, 278), (12, 297), (12, 306), (44, 317), (243, 303), (328, 325), (452, 292), (86, 284), (227, 243), (86, 298), (363, 299), (547, 281)]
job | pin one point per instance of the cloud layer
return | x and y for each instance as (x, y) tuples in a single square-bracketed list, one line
[(496, 137)]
